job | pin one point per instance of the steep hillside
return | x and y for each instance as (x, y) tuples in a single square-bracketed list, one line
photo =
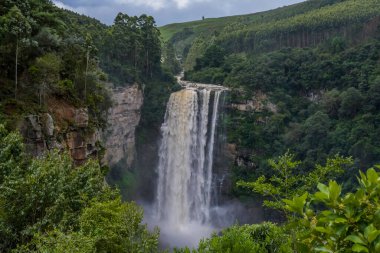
[(305, 24), (56, 90), (57, 69), (210, 25), (303, 78), (51, 87)]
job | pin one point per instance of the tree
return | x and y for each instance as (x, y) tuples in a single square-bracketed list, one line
[(263, 238), (116, 227), (18, 28), (11, 152), (133, 49), (57, 241), (331, 103), (213, 57), (289, 181), (316, 129), (48, 205), (374, 93), (352, 101), (170, 60), (90, 48), (23, 5), (48, 40), (105, 226), (337, 44), (46, 194), (151, 41), (342, 223), (45, 72)]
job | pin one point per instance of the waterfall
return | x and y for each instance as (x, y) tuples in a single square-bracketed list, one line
[(184, 192), (211, 153)]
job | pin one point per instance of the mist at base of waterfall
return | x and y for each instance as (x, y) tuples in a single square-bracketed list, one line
[(188, 206), (191, 233), (183, 235)]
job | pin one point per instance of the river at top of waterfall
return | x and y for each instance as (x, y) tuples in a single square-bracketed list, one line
[(194, 85)]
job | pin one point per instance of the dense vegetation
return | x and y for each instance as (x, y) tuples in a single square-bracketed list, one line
[(266, 237), (311, 71), (182, 35), (323, 221), (131, 50), (42, 56), (301, 25), (306, 29), (316, 101), (47, 205), (47, 53), (304, 80), (53, 58)]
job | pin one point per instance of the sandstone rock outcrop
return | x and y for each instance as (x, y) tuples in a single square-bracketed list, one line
[(65, 127), (258, 103), (123, 118), (41, 135)]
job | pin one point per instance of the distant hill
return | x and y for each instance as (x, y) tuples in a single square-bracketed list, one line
[(299, 25), (216, 24), (303, 78)]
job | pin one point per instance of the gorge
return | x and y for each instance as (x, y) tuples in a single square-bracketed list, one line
[(268, 141)]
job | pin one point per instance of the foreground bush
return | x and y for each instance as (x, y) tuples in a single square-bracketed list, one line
[(326, 221), (343, 222), (110, 226), (263, 238), (48, 205)]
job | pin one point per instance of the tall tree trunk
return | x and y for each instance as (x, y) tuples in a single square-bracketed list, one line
[(85, 78), (147, 63), (41, 92), (135, 58), (16, 69), (151, 72)]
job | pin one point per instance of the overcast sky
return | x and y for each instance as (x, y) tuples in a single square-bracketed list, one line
[(169, 11)]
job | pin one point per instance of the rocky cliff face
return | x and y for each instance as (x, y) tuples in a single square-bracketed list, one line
[(65, 127), (123, 118), (258, 103)]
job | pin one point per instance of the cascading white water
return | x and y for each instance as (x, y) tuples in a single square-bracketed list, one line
[(188, 206), (186, 157)]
